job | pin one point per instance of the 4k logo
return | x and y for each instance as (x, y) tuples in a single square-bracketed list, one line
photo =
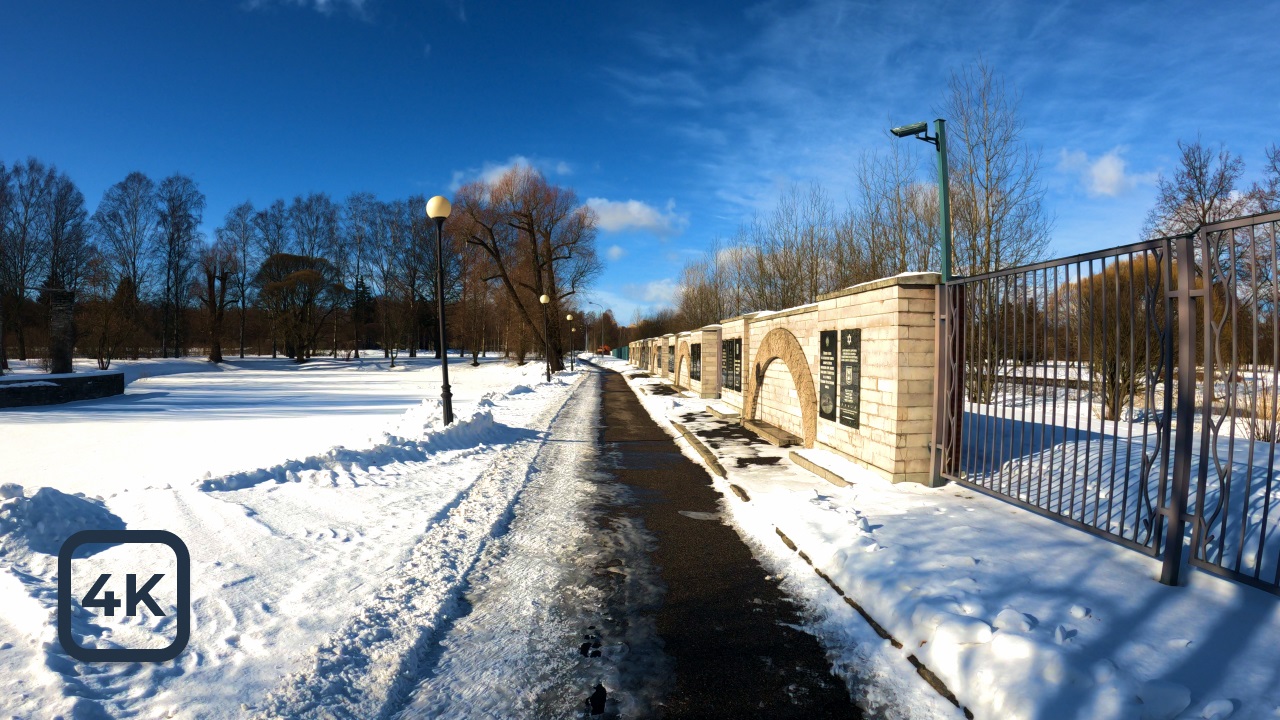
[(135, 595)]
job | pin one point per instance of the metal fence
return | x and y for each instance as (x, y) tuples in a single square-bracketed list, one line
[(1077, 388)]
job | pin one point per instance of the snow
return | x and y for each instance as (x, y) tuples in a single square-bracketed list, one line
[(1019, 616), (309, 496)]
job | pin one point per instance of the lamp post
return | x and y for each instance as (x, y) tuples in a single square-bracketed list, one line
[(601, 325), (438, 209), (546, 336), (572, 364), (921, 131)]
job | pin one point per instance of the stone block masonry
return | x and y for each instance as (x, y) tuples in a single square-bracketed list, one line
[(29, 390), (879, 380)]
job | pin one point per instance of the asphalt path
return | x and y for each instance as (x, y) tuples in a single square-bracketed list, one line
[(728, 628)]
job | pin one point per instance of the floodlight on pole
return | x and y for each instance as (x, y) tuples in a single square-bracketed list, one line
[(438, 209), (920, 131)]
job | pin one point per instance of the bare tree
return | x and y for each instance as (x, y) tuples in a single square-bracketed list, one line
[(127, 223), (538, 240), (314, 220), (6, 243), (219, 264), (181, 210), (1266, 193), (237, 237), (360, 218), (997, 201), (274, 238), (64, 228), (24, 250), (1202, 190)]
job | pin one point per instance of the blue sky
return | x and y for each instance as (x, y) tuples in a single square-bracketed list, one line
[(677, 120)]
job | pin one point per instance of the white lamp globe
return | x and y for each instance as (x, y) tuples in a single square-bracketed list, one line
[(438, 207)]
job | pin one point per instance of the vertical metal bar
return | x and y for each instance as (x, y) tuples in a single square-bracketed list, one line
[(1135, 326), (1163, 488), (1055, 486), (1094, 280), (1117, 378), (1224, 503), (1271, 408), (1149, 397), (942, 370), (1075, 446), (1035, 375), (1024, 483), (1001, 383), (1176, 510), (1253, 406), (984, 361), (960, 312)]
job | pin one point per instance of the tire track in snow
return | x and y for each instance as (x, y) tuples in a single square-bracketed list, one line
[(369, 667)]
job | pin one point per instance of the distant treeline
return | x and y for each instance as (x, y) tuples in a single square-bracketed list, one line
[(313, 276)]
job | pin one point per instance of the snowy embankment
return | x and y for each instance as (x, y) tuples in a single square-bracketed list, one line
[(304, 493), (1019, 616)]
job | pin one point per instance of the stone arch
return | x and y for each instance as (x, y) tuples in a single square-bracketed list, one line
[(682, 363), (780, 344)]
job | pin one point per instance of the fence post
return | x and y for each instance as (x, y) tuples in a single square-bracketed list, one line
[(948, 384), (1176, 510)]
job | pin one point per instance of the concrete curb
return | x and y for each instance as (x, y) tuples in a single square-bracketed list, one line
[(921, 669), (817, 469), (713, 463)]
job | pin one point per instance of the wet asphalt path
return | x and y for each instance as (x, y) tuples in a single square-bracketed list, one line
[(726, 626)]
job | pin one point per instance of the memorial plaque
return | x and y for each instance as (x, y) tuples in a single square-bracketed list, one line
[(671, 359), (850, 376), (827, 376), (726, 364), (737, 364), (695, 361)]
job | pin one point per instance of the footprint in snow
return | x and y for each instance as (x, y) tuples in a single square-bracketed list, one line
[(591, 645)]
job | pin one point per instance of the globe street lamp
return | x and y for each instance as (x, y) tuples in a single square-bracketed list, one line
[(546, 336), (438, 209), (573, 365), (921, 131)]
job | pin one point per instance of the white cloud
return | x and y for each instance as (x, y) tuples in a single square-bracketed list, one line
[(325, 7), (491, 171), (1105, 176), (654, 292), (619, 215), (615, 253)]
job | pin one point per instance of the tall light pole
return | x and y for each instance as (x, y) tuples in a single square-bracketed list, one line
[(921, 131), (601, 325), (438, 209), (546, 336), (572, 363)]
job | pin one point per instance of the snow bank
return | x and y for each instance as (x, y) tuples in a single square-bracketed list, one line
[(415, 435), (45, 520)]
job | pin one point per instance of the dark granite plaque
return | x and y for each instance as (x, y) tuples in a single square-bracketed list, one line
[(827, 376), (737, 364), (850, 376), (671, 359), (695, 361)]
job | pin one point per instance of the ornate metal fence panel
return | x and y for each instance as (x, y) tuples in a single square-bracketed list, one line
[(1235, 510), (1132, 392), (1056, 390)]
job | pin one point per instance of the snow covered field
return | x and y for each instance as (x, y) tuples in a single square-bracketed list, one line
[(1020, 616), (311, 498)]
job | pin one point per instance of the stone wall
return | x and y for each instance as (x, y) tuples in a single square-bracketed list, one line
[(781, 372), (28, 390)]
